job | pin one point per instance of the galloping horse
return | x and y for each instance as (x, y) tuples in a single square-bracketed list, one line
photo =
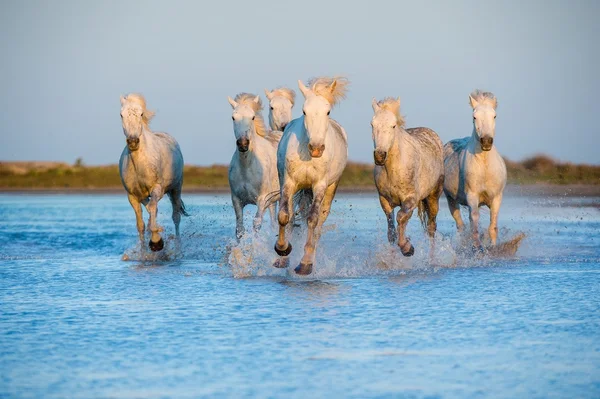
[(475, 171), (409, 171), (311, 157), (151, 166), (252, 172)]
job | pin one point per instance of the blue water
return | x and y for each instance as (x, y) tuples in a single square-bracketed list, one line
[(212, 318)]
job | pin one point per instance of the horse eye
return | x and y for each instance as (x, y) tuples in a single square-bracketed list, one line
[(271, 108), (253, 117), (474, 118), (233, 119), (304, 112), (328, 112), (393, 127), (494, 116)]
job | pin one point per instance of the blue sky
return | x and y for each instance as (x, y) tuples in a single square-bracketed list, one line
[(65, 63)]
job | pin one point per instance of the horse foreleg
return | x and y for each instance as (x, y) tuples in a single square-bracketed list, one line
[(402, 218), (455, 212), (473, 202), (388, 209), (261, 206), (282, 246), (314, 214), (494, 210), (137, 208), (238, 207), (432, 209), (156, 241)]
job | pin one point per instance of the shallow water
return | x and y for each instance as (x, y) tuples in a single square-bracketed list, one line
[(213, 318)]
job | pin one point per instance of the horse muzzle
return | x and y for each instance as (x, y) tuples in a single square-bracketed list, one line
[(242, 144), (486, 143), (379, 157), (316, 151), (133, 143)]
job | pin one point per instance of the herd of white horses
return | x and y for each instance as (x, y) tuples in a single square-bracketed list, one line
[(293, 168)]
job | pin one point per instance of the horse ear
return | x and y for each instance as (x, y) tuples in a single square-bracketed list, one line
[(268, 94), (233, 103), (122, 100), (473, 102), (398, 100), (305, 90), (333, 85), (375, 105), (256, 99)]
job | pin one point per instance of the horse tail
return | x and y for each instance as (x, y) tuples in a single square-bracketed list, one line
[(182, 209), (302, 201), (271, 198), (423, 212)]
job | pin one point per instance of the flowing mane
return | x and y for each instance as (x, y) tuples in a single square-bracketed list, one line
[(285, 92), (393, 105), (485, 97), (322, 87), (259, 123), (138, 99)]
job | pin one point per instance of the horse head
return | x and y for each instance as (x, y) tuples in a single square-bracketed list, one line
[(484, 117)]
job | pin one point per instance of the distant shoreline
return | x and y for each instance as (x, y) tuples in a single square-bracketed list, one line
[(539, 189)]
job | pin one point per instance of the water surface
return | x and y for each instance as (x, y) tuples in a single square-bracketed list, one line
[(213, 318)]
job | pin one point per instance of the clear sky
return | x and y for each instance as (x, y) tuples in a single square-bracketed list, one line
[(64, 64)]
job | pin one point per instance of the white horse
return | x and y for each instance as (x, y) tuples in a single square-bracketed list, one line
[(253, 175), (409, 171), (475, 171), (311, 157), (151, 166), (281, 102)]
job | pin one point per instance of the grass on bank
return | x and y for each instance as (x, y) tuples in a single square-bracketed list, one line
[(51, 175)]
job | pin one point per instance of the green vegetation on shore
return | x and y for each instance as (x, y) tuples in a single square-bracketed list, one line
[(51, 175)]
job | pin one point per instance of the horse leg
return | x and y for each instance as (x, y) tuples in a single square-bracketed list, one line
[(282, 246), (473, 202), (238, 207), (494, 210), (272, 213), (156, 241), (137, 208), (404, 214), (175, 197), (432, 207), (314, 214), (388, 209), (261, 205), (455, 212)]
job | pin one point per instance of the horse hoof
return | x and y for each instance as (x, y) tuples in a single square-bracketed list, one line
[(304, 269), (284, 252), (157, 246), (410, 252), (281, 263)]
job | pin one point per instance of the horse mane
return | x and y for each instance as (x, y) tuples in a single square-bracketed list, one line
[(393, 105), (285, 92), (259, 123), (138, 99), (485, 97), (321, 87)]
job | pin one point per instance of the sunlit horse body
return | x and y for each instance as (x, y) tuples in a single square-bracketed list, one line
[(281, 102), (475, 171), (311, 157), (253, 175), (151, 166), (409, 171)]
